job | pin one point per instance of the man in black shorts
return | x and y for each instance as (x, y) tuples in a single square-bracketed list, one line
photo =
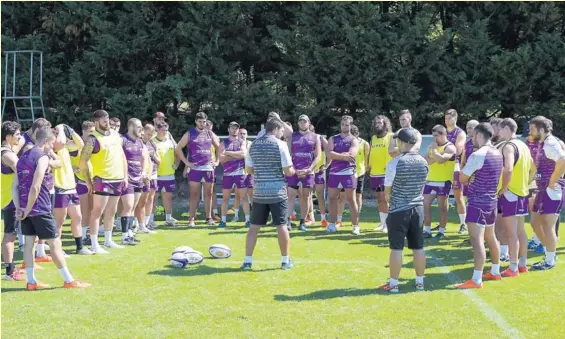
[(404, 183), (269, 161), (33, 207)]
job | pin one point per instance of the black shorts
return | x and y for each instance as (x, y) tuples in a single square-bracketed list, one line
[(360, 185), (260, 213), (43, 226), (407, 224), (11, 225)]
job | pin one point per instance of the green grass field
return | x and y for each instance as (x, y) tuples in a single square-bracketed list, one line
[(331, 293)]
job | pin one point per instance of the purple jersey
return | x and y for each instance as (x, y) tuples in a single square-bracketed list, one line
[(133, 150), (469, 148), (534, 148), (27, 141), (200, 149), (452, 138), (235, 166), (342, 145), (485, 165), (25, 169), (302, 149), (152, 149), (549, 152)]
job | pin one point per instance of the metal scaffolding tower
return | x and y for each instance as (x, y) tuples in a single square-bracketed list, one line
[(23, 85)]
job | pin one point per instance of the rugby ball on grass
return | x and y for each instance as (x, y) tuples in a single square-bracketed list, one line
[(194, 257), (219, 251), (182, 249), (179, 260)]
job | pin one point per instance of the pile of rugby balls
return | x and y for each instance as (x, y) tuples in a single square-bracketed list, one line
[(185, 255)]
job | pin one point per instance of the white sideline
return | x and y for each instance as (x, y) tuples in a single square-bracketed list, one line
[(489, 312)]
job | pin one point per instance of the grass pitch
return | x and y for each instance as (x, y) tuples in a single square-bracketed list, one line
[(331, 293)]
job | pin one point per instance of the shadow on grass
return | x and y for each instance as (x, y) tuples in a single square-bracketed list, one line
[(202, 270), (23, 288)]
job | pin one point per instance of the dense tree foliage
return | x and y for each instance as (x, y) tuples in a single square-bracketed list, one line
[(239, 60)]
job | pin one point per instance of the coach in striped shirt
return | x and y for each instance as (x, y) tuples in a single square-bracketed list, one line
[(269, 160), (404, 185)]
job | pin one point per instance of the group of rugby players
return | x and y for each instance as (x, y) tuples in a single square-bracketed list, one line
[(48, 173)]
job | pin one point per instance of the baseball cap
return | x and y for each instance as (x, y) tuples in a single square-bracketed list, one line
[(407, 135), (303, 117), (160, 115), (233, 123)]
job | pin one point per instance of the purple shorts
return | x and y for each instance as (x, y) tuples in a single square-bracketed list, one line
[(166, 185), (151, 187), (378, 184), (548, 203), (440, 191), (64, 200), (480, 217), (249, 182), (229, 181), (516, 206), (306, 182), (81, 187), (201, 176), (342, 181), (133, 187), (456, 183), (320, 178), (108, 188)]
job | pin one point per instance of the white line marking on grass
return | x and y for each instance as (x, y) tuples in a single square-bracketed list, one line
[(507, 329)]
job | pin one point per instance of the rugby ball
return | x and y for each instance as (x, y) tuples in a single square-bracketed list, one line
[(179, 260), (219, 251), (194, 257), (182, 249)]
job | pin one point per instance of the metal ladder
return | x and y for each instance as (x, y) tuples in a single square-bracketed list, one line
[(24, 91)]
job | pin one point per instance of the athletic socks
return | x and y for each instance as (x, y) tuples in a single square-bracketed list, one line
[(224, 218), (285, 259), (247, 218), (513, 266), (428, 229), (84, 231), (442, 230), (236, 213), (214, 211), (125, 226), (383, 217), (550, 258), (30, 273), (523, 261), (324, 216), (168, 217), (419, 280), (392, 282), (462, 218), (339, 218), (67, 277), (94, 241), (536, 239), (152, 218), (9, 268), (495, 269), (477, 277), (248, 259), (147, 219), (108, 236), (504, 250), (78, 242), (40, 250)]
